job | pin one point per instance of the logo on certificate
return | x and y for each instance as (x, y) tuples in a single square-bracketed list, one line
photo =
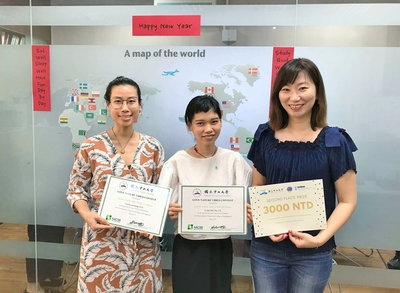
[(196, 192), (111, 218), (123, 185), (193, 227)]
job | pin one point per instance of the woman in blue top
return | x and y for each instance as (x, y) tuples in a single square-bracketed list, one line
[(295, 145)]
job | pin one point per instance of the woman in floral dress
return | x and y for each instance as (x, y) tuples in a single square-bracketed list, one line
[(115, 259)]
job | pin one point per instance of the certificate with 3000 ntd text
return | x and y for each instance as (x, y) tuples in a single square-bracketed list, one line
[(298, 206)]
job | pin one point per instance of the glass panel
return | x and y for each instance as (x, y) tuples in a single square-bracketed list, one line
[(17, 158), (356, 47), (340, 50)]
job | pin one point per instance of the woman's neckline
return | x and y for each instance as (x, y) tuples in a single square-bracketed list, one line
[(301, 142), (114, 147), (193, 157)]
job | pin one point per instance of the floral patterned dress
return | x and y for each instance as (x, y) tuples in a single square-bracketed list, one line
[(115, 260)]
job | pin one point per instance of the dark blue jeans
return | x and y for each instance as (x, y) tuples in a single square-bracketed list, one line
[(275, 271)]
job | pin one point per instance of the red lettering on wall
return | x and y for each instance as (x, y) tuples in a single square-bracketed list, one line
[(166, 25), (41, 78)]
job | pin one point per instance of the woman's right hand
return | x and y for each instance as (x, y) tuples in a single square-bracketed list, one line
[(95, 221), (173, 210), (278, 237)]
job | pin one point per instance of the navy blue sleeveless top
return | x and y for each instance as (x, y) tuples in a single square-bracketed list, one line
[(327, 158)]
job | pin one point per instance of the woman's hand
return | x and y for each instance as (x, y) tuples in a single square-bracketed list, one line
[(249, 214), (95, 221), (173, 210), (303, 240), (278, 237)]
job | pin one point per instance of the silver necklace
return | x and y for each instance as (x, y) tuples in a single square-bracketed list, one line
[(301, 139)]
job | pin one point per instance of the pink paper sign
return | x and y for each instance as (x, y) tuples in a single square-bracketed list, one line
[(41, 78)]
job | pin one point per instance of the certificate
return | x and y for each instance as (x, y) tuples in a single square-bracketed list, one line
[(298, 206), (213, 210), (135, 205)]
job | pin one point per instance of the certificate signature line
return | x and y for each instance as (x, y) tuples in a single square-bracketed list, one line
[(290, 216)]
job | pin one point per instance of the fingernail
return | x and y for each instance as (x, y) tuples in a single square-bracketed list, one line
[(290, 231)]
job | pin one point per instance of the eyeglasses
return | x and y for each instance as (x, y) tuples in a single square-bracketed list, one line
[(130, 103)]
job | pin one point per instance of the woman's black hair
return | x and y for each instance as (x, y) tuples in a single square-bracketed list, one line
[(121, 80), (288, 73), (199, 104)]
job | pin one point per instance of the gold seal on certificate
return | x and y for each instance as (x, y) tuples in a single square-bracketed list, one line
[(213, 210), (135, 205), (298, 206)]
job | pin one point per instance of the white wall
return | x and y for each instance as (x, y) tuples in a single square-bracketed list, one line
[(315, 36)]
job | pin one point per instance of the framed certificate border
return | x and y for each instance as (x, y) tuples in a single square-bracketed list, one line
[(277, 208), (208, 196), (123, 197)]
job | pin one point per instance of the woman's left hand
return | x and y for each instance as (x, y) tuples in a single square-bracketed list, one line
[(303, 240), (249, 214)]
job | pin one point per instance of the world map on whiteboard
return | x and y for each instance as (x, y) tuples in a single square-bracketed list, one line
[(240, 88)]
